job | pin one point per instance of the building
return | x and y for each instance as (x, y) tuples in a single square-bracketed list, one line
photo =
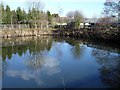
[(88, 23)]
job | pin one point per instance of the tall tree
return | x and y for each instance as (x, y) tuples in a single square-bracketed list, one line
[(49, 16), (2, 13), (29, 18), (75, 18), (24, 15), (119, 11), (78, 18), (19, 15), (112, 8), (14, 17), (8, 15), (36, 7), (70, 14)]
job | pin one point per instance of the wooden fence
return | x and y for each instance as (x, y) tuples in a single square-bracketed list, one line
[(14, 26)]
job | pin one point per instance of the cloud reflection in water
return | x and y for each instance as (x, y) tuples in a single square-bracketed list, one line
[(49, 66)]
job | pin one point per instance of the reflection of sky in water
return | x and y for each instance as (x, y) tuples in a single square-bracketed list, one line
[(55, 68), (0, 70), (20, 69)]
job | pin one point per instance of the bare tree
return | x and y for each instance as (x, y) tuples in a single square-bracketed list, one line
[(78, 18), (112, 8), (37, 4), (37, 7), (70, 14), (60, 11)]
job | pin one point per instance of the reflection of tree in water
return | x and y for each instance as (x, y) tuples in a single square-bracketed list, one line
[(0, 64), (77, 50), (25, 44), (110, 67), (58, 50), (36, 61)]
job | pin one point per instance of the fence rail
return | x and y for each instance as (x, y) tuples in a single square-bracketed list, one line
[(13, 26)]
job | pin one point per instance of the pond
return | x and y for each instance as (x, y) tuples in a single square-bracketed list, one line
[(46, 62)]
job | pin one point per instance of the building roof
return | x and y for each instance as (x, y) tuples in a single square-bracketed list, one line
[(90, 20)]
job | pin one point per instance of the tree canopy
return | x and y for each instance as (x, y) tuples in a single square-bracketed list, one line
[(76, 17), (112, 8), (20, 16)]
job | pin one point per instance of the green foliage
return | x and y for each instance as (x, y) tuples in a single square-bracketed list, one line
[(74, 18), (19, 14), (24, 15), (29, 15), (33, 17), (77, 18), (49, 16), (14, 17), (3, 12), (7, 18), (31, 46)]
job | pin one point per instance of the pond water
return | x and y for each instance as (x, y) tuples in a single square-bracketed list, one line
[(46, 62)]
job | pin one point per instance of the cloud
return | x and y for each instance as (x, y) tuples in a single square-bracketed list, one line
[(25, 75), (50, 67)]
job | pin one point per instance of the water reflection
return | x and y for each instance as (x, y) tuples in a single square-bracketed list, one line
[(77, 48), (42, 61), (21, 45), (110, 67), (34, 70), (0, 69), (55, 62)]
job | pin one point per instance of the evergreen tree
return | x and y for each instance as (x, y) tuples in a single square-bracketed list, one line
[(19, 15), (8, 15), (14, 17), (29, 15), (24, 15), (3, 13), (49, 16)]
